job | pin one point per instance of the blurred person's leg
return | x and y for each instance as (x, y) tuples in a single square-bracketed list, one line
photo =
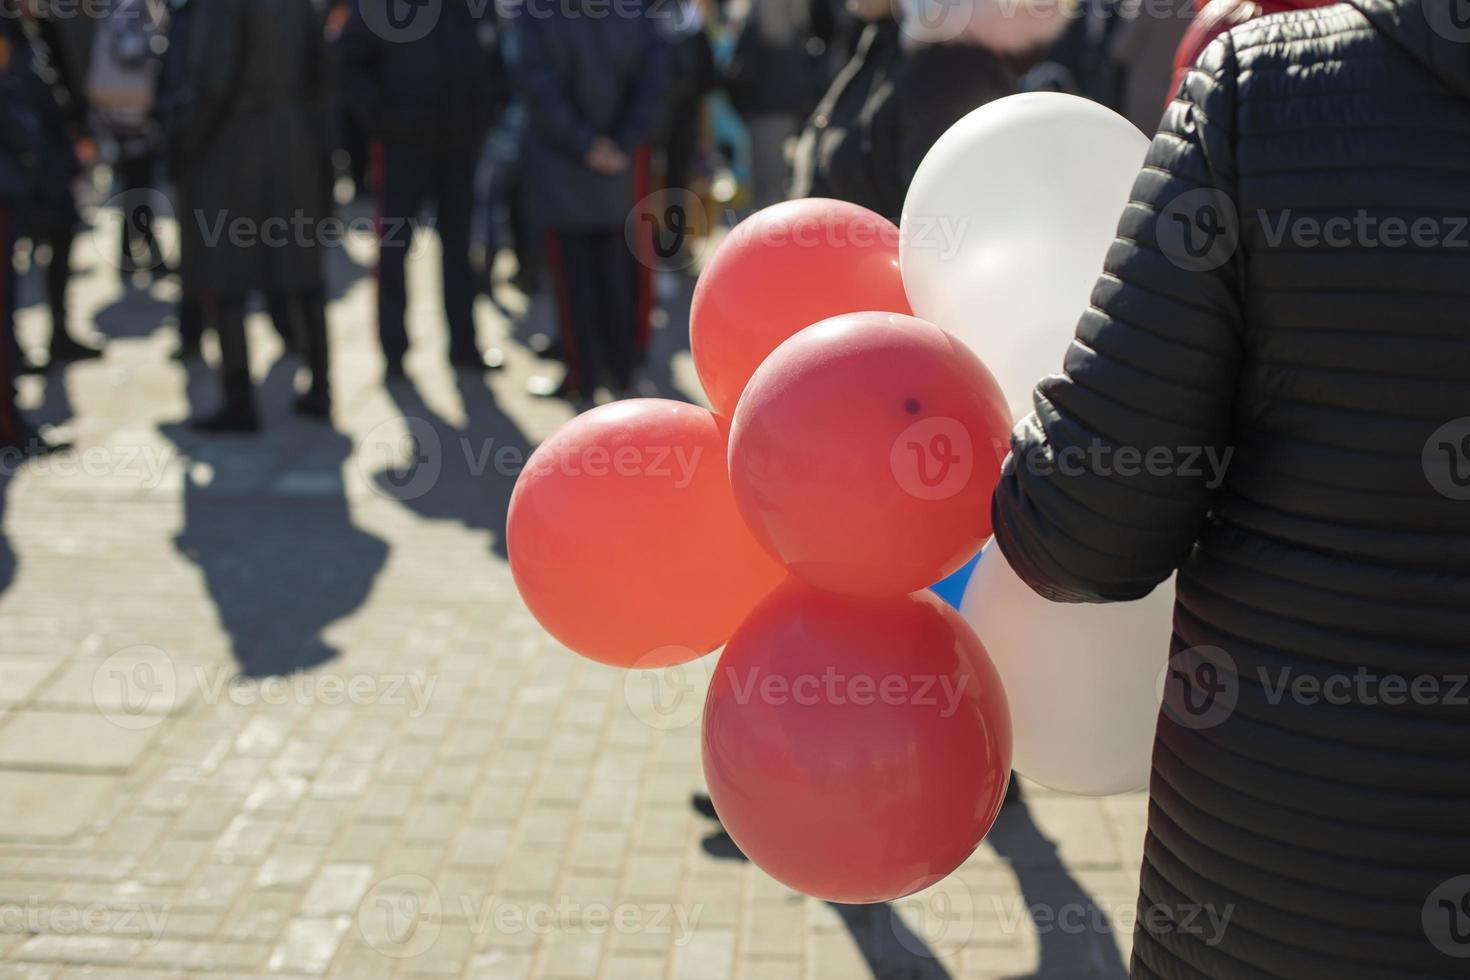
[(571, 262), (454, 193), (134, 174), (64, 347), (309, 312), (237, 410), (404, 175), (530, 258), (13, 432), (191, 327), (283, 312), (769, 171), (619, 279)]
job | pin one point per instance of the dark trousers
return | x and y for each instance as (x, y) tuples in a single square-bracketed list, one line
[(11, 431), (410, 177), (136, 174), (303, 314), (602, 301), (58, 234)]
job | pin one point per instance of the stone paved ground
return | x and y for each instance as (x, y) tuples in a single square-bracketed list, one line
[(444, 792)]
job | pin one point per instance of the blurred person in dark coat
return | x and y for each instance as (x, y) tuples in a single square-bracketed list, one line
[(908, 81), (257, 177), (1142, 49), (20, 157), (173, 111), (429, 95), (779, 70), (595, 88), (51, 217)]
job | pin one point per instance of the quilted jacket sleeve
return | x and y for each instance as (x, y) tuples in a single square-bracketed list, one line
[(1111, 477)]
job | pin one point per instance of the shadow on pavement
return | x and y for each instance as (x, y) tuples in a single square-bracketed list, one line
[(266, 520), (892, 950), (889, 945), (459, 473)]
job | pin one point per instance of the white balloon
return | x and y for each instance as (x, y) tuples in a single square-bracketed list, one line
[(1082, 681), (1007, 223)]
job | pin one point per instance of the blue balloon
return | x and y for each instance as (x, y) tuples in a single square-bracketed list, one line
[(952, 589)]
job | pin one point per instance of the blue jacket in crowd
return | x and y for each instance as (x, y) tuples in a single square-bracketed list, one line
[(586, 68)]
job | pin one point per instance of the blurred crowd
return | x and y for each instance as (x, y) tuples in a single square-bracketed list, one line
[(543, 121)]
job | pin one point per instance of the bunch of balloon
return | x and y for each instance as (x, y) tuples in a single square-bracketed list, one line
[(856, 735)]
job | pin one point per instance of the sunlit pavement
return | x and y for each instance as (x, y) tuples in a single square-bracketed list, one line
[(441, 790)]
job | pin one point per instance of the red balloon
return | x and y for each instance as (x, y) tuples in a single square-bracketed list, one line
[(864, 453), (856, 750), (783, 269), (624, 539)]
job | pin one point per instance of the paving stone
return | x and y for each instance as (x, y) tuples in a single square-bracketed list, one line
[(60, 740), (22, 676), (309, 945), (50, 805)]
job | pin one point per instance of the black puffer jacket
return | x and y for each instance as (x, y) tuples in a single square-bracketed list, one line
[(1312, 766)]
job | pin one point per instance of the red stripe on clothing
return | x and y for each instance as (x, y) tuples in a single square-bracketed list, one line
[(562, 288)]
